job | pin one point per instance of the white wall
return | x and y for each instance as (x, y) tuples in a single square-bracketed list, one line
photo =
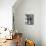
[(6, 13), (29, 31), (43, 22)]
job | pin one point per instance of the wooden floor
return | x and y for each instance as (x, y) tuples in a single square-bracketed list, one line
[(9, 43)]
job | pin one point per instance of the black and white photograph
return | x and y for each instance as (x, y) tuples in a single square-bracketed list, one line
[(29, 19)]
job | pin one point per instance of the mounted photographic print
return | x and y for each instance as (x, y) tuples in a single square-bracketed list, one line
[(29, 19)]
